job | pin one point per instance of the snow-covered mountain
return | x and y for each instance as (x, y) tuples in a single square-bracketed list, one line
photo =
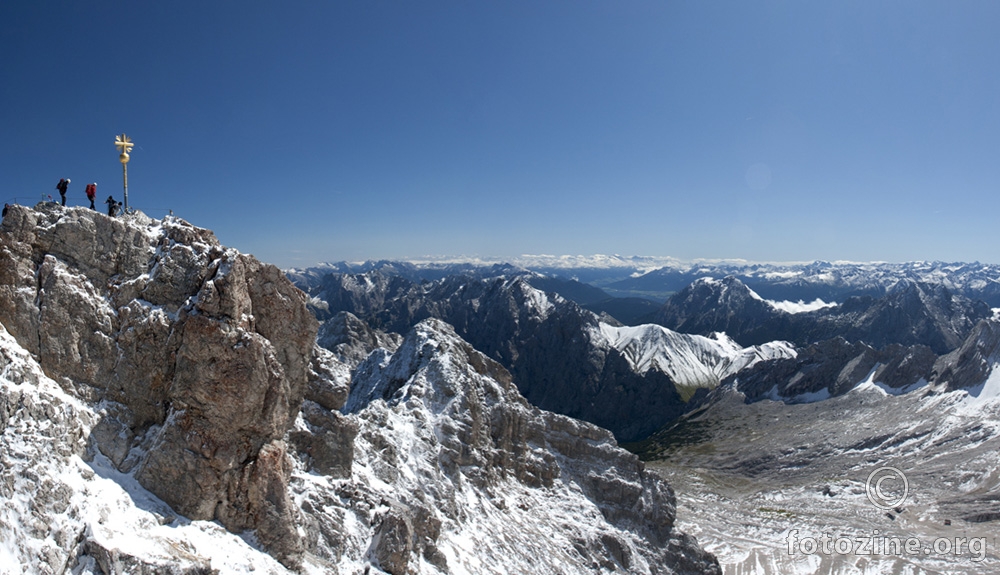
[(692, 362), (827, 281), (659, 277), (450, 457)]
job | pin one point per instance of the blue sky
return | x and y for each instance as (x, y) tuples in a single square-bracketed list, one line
[(312, 131)]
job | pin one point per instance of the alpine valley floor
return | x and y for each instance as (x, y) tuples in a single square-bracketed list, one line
[(755, 481)]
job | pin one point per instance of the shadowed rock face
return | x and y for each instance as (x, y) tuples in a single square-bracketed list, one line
[(835, 366), (206, 350), (972, 363), (707, 306)]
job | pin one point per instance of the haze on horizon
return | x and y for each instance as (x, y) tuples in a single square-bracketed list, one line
[(765, 131)]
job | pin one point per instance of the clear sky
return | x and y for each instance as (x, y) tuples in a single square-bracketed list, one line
[(317, 131)]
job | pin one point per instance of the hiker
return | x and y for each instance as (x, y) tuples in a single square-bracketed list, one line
[(112, 206), (91, 190), (61, 186), (5, 208)]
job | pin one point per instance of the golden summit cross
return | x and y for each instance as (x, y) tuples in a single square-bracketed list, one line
[(123, 143)]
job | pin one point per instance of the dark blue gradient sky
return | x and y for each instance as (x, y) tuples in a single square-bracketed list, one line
[(312, 131)]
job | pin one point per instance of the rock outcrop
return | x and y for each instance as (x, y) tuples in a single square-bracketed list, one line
[(351, 340), (833, 367), (972, 363), (203, 352)]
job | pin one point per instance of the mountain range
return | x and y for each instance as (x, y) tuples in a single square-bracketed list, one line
[(170, 405), (165, 408), (563, 357), (657, 278)]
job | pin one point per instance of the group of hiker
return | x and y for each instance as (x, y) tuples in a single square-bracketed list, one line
[(114, 207)]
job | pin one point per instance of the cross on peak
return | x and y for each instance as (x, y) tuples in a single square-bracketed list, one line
[(123, 143)]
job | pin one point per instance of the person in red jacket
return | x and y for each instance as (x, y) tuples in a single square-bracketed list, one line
[(91, 194)]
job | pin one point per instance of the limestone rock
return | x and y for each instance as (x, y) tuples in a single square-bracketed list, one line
[(909, 313), (835, 366), (207, 351), (326, 439), (972, 363), (351, 339), (392, 544), (329, 380), (116, 561)]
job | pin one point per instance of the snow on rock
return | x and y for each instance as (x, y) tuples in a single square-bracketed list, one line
[(452, 461), (800, 306), (691, 361), (60, 513), (201, 354)]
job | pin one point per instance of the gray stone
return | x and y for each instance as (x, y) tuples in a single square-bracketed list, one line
[(328, 445), (391, 546)]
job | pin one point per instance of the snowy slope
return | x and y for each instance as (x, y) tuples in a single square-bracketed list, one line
[(691, 361), (774, 470), (754, 474)]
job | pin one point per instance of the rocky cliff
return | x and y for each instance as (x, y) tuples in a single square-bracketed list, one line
[(200, 355)]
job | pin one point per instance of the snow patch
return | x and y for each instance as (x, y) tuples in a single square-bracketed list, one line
[(799, 306), (985, 393)]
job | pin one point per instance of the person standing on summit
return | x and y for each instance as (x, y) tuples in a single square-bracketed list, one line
[(61, 186), (91, 194), (112, 206)]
